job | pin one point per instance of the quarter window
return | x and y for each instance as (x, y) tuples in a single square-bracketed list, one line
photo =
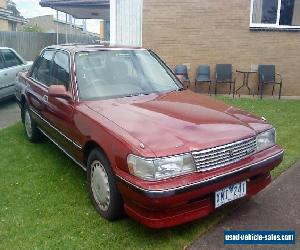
[(10, 58), (280, 14), (61, 69)]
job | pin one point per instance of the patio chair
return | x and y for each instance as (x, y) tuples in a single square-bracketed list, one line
[(267, 76), (203, 75), (181, 70), (224, 75)]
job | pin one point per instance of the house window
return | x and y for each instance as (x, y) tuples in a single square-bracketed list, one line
[(13, 27), (278, 14)]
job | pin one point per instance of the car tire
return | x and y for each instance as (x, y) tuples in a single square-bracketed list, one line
[(102, 186), (32, 132)]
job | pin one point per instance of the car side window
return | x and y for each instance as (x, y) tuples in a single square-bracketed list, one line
[(2, 65), (10, 58), (42, 70), (61, 69)]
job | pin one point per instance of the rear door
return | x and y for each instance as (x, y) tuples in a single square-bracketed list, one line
[(39, 82)]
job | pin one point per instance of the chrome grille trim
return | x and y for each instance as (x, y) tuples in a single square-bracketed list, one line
[(223, 151), (221, 156)]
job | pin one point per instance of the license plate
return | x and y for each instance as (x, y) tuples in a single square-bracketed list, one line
[(230, 193)]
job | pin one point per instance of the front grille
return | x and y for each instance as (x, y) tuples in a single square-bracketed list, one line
[(221, 156)]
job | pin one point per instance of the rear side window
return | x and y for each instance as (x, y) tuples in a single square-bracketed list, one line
[(61, 69), (42, 69), (10, 58), (2, 65)]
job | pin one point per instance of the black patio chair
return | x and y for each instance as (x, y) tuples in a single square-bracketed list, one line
[(182, 70), (224, 74), (203, 75), (267, 76)]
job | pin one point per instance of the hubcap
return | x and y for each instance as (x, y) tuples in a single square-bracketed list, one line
[(99, 185), (28, 125)]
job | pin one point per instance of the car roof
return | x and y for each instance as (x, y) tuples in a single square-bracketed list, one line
[(6, 48), (76, 47)]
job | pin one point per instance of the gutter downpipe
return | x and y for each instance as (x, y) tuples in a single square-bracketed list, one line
[(57, 27), (66, 28)]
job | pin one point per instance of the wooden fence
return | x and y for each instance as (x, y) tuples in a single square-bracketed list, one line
[(29, 44)]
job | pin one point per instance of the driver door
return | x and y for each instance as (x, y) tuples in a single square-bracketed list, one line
[(60, 111)]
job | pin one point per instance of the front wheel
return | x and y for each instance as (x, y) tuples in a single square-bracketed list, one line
[(102, 186), (32, 132)]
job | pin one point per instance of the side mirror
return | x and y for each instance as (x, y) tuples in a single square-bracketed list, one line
[(59, 91)]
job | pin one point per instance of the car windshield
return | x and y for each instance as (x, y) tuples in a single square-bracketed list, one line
[(122, 73)]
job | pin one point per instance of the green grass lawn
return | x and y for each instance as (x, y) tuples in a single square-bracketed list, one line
[(44, 203)]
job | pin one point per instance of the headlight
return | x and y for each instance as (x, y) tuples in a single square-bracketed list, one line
[(160, 168), (266, 139)]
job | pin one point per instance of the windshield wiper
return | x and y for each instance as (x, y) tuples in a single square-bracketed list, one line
[(139, 94), (175, 90)]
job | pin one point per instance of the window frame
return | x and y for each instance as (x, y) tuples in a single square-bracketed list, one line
[(69, 65), (37, 64), (275, 26)]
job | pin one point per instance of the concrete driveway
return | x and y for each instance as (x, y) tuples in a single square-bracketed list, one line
[(9, 113), (275, 208)]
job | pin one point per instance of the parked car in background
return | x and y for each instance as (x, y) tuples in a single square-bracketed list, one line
[(11, 63), (164, 154)]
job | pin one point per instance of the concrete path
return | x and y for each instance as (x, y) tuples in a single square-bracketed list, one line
[(9, 113), (275, 208)]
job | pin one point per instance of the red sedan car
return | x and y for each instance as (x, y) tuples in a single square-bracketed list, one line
[(163, 154)]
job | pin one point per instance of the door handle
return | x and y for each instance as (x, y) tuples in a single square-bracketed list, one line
[(45, 98)]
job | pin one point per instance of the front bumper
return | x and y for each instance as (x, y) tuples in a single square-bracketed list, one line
[(179, 200)]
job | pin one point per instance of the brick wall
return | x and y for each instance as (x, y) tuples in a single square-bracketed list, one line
[(217, 31), (4, 25), (3, 4)]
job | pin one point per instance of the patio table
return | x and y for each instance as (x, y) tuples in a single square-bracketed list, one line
[(245, 80)]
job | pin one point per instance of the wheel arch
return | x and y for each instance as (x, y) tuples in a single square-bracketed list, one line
[(89, 147)]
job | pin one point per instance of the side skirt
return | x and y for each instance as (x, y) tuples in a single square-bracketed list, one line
[(62, 149)]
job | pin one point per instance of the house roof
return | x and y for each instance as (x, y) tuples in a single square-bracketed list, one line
[(82, 9), (11, 14)]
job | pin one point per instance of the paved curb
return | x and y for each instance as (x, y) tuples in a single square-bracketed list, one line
[(9, 113), (275, 208)]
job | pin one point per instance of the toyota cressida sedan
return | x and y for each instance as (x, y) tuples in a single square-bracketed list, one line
[(162, 154)]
